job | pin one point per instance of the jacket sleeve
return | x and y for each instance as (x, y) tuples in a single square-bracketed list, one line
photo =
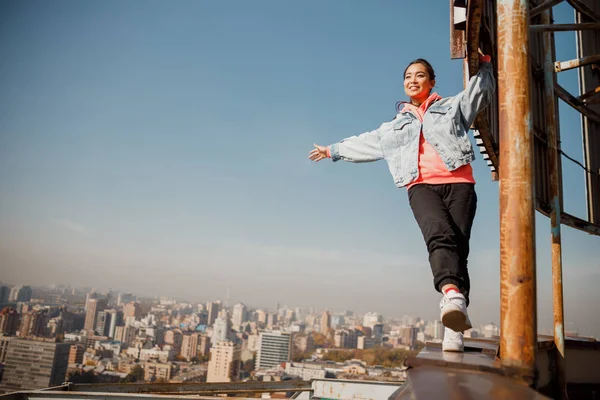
[(478, 93), (362, 148)]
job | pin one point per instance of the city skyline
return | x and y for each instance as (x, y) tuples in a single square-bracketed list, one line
[(570, 328), (163, 149)]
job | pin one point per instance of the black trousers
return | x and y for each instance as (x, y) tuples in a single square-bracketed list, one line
[(445, 215)]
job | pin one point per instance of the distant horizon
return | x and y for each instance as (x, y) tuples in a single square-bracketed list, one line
[(164, 148), (477, 325)]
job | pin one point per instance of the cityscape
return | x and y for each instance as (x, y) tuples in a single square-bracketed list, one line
[(58, 333)]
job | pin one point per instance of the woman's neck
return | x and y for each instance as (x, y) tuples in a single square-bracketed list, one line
[(420, 100)]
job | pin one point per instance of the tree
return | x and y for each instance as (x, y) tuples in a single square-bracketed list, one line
[(136, 374), (201, 358), (388, 358), (82, 377), (248, 366), (299, 356)]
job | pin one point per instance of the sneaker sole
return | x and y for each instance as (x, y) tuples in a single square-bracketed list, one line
[(456, 320), (456, 348)]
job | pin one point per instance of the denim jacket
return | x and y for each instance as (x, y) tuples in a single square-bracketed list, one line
[(445, 126)]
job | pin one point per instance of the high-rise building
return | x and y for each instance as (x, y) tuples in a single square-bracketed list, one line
[(364, 342), (20, 294), (102, 323), (125, 334), (4, 341), (89, 296), (271, 320), (106, 323), (203, 345), (24, 294), (33, 323), (174, 337), (438, 329), (340, 339), (408, 335), (371, 318), (116, 320), (213, 310), (325, 322), (93, 307), (34, 364), (9, 321), (220, 330), (239, 315), (378, 330), (132, 310), (189, 346), (14, 292), (304, 343), (261, 316), (157, 371), (347, 338), (224, 362), (289, 317), (76, 353), (125, 298), (275, 348), (203, 317), (4, 294), (337, 321)]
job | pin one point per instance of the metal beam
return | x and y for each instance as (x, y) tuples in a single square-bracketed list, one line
[(569, 220), (457, 37), (543, 7), (589, 94), (566, 27), (474, 14), (196, 388), (555, 177), (576, 104), (560, 66), (583, 9), (518, 327)]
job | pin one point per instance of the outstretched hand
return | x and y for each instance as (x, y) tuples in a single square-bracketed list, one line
[(318, 153)]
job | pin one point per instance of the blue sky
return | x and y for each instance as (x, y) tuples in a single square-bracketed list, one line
[(161, 147)]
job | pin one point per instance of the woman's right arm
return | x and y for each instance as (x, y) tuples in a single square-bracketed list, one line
[(357, 149)]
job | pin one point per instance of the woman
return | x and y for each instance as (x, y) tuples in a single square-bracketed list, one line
[(429, 152)]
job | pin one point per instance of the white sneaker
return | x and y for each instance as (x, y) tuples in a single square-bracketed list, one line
[(454, 312), (453, 341)]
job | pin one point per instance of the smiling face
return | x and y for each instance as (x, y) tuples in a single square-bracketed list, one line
[(417, 83)]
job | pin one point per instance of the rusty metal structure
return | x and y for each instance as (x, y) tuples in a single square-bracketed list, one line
[(520, 139), (518, 318)]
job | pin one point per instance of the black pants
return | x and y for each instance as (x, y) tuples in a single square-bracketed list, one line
[(445, 215)]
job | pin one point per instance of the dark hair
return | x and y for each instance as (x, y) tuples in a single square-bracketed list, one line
[(423, 62)]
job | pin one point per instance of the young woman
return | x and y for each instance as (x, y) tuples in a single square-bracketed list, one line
[(428, 151)]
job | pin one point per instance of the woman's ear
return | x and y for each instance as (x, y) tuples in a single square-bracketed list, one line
[(433, 83)]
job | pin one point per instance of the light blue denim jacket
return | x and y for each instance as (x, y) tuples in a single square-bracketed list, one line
[(445, 126)]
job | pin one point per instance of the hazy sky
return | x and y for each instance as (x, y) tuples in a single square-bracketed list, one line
[(161, 147)]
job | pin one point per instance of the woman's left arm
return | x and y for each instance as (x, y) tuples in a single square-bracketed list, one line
[(478, 93)]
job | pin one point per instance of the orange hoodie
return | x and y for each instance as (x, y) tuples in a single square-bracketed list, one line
[(432, 169)]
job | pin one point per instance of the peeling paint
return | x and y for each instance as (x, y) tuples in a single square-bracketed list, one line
[(517, 245), (559, 335), (556, 228)]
